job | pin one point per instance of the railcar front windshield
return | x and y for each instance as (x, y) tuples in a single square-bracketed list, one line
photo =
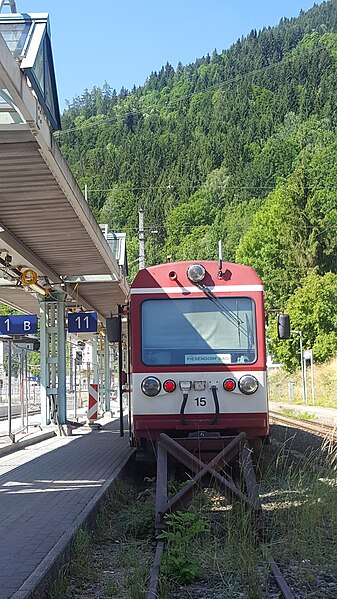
[(198, 331)]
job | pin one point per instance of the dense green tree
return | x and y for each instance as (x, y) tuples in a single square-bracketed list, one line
[(293, 231), (276, 245), (118, 210), (312, 310), (6, 310)]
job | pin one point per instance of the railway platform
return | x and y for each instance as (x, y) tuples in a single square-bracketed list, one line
[(47, 492), (323, 414)]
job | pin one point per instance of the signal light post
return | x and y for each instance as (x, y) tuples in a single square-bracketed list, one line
[(304, 386)]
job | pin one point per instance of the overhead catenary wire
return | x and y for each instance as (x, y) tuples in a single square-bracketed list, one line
[(305, 187), (190, 227), (237, 187)]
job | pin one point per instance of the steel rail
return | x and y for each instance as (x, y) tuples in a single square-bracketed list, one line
[(280, 580), (153, 592), (318, 428), (18, 414)]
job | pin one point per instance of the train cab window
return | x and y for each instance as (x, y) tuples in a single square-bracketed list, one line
[(198, 331)]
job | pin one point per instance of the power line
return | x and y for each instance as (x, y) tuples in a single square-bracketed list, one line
[(190, 227), (239, 188)]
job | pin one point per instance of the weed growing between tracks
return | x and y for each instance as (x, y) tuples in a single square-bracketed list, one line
[(115, 559), (179, 563), (300, 501), (229, 561), (290, 413), (212, 549)]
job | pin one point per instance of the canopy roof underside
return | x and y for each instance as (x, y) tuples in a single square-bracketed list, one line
[(45, 223)]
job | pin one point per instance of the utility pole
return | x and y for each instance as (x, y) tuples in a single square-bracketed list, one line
[(141, 237), (10, 3)]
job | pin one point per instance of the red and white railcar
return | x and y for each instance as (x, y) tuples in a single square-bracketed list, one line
[(198, 351)]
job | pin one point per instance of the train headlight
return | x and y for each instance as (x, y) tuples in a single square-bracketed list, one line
[(196, 273), (248, 384), (151, 386)]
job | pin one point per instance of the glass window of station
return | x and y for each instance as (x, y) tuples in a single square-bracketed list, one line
[(15, 36)]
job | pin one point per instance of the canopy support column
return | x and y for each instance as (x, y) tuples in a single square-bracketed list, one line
[(101, 371), (53, 359), (107, 374)]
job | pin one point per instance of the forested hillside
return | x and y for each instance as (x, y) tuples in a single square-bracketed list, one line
[(239, 146)]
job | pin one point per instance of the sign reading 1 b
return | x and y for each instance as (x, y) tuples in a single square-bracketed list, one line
[(82, 322), (17, 324)]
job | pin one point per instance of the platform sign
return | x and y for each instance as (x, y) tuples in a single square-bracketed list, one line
[(18, 325), (82, 322)]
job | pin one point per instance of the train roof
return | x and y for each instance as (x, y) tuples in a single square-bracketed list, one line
[(172, 274)]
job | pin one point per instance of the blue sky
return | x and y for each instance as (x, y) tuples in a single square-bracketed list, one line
[(123, 41)]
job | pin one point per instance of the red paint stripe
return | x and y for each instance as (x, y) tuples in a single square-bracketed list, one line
[(150, 426)]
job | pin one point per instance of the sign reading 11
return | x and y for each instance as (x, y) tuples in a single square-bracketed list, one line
[(82, 322)]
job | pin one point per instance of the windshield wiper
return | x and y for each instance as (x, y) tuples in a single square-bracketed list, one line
[(226, 311)]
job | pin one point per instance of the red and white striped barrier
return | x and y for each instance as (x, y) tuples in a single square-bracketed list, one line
[(92, 413)]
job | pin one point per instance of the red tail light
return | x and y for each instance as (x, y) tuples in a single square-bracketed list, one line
[(169, 386), (229, 385)]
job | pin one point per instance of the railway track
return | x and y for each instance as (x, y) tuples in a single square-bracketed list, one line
[(16, 413), (128, 539), (238, 447), (326, 431)]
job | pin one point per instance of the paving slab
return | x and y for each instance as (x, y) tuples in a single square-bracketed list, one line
[(47, 491)]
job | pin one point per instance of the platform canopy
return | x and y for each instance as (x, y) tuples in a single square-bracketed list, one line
[(46, 225), (29, 40)]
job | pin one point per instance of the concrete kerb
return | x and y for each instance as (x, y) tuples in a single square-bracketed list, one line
[(35, 586), (33, 438), (37, 438)]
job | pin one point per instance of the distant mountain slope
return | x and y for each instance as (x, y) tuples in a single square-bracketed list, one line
[(238, 146)]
